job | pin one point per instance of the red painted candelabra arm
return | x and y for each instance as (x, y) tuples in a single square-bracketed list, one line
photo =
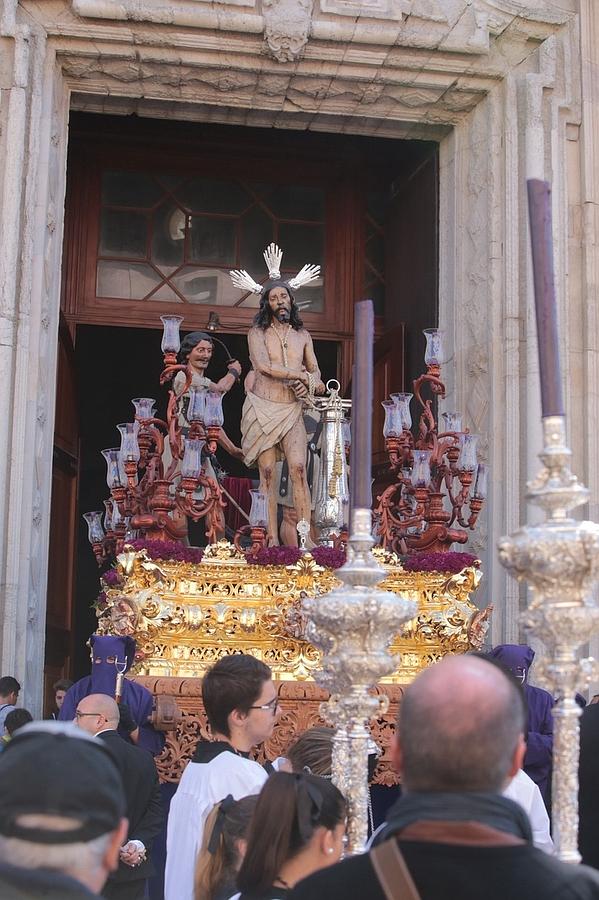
[(257, 534)]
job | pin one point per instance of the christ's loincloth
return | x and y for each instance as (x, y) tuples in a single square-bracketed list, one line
[(264, 424)]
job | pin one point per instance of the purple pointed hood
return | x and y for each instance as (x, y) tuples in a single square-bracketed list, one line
[(513, 655), (103, 674)]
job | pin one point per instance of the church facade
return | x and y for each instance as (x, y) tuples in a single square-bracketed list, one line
[(504, 89)]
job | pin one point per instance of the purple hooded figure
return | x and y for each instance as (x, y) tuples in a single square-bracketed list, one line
[(108, 651), (539, 740)]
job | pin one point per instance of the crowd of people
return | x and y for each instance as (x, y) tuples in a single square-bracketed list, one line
[(81, 803)]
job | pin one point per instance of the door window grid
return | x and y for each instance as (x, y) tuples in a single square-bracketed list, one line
[(175, 238)]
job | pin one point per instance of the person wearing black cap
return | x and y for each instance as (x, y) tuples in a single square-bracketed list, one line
[(98, 714), (61, 814)]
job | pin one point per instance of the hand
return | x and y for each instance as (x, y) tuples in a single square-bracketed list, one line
[(132, 854), (299, 389), (234, 368)]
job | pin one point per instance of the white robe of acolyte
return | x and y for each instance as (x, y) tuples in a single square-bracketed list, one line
[(202, 786), (524, 791)]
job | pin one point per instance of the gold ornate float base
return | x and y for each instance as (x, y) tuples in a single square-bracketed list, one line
[(185, 616)]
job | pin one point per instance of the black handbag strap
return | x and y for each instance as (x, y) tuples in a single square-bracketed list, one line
[(392, 872)]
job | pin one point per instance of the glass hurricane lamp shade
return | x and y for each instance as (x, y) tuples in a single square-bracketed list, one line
[(452, 421), (117, 518), (434, 346), (95, 532), (346, 432), (145, 407), (191, 465), (259, 509), (421, 470), (480, 482), (115, 474), (392, 425), (197, 405), (467, 458), (129, 446), (213, 413), (108, 515), (171, 340), (402, 401)]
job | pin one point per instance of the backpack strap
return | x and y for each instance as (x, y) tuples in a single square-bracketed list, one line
[(392, 872)]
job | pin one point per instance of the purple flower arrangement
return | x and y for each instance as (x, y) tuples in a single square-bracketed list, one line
[(101, 602), (172, 550), (329, 557), (275, 556), (438, 562), (112, 579)]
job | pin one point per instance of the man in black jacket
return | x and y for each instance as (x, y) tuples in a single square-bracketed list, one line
[(98, 714), (460, 740), (588, 799)]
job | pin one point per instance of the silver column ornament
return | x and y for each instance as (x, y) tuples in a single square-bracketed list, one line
[(354, 626), (559, 559)]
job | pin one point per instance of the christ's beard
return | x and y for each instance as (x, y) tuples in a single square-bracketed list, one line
[(282, 315)]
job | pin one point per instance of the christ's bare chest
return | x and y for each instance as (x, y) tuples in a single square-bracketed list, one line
[(285, 346)]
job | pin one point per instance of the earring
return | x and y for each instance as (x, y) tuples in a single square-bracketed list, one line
[(330, 850)]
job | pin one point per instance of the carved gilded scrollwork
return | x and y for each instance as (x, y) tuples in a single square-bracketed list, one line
[(185, 617), (299, 710)]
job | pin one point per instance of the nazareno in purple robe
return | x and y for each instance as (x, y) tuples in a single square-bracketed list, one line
[(103, 681), (539, 740)]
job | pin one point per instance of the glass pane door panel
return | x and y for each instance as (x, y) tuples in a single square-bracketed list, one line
[(130, 281), (123, 233)]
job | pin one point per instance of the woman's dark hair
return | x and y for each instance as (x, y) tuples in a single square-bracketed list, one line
[(263, 317), (190, 341), (16, 719), (219, 858), (289, 810), (234, 682), (63, 684)]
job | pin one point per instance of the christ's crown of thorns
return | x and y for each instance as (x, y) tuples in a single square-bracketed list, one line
[(272, 257)]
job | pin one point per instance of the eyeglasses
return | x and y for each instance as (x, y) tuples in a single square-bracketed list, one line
[(79, 715), (272, 705)]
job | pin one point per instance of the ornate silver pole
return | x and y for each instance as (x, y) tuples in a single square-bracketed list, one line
[(560, 560), (353, 626)]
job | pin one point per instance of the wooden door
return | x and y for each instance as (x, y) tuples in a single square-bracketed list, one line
[(388, 377), (61, 563)]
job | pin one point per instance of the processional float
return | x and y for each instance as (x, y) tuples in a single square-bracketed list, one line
[(306, 620)]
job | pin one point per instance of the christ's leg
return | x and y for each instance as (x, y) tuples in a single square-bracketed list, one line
[(295, 443), (266, 467)]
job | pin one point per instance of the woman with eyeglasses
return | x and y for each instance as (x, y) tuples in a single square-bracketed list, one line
[(298, 827)]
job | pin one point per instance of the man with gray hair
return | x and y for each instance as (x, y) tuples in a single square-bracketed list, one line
[(452, 834), (61, 814)]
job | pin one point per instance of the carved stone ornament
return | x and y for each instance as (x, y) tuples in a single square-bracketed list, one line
[(287, 27)]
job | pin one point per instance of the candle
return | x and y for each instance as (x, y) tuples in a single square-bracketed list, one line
[(362, 399), (539, 209)]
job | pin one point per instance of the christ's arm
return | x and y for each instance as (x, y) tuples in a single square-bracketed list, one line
[(311, 364)]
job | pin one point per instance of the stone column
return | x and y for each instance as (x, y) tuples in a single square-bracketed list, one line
[(33, 114)]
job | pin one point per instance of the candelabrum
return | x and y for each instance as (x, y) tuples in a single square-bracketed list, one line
[(439, 488), (354, 625), (257, 526), (157, 477), (560, 561)]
